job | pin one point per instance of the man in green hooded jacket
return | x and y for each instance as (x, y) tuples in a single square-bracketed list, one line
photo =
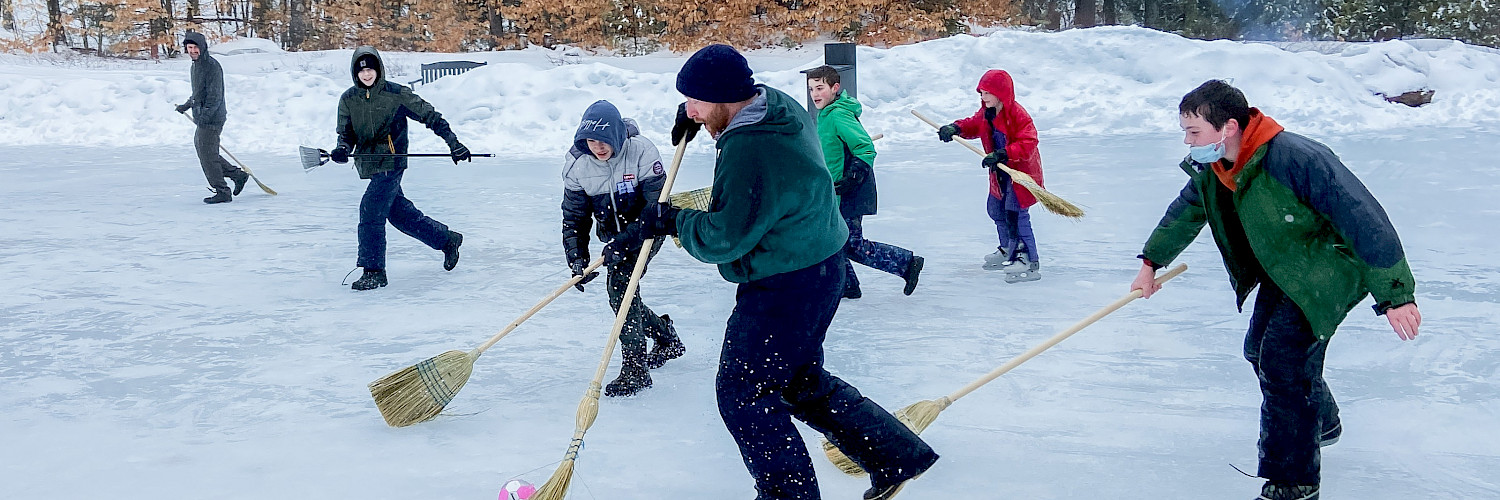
[(1288, 216), (774, 228)]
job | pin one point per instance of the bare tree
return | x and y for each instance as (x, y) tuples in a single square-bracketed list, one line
[(1111, 13), (7, 15), (1084, 14), (55, 30)]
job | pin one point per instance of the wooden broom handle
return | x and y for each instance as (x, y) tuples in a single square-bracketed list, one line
[(640, 268), (547, 300), (1134, 294), (1013, 172)]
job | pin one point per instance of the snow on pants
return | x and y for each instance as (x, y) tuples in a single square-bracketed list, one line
[(215, 167), (771, 369), (383, 201), (640, 320), (873, 254), (1012, 222), (1296, 405)]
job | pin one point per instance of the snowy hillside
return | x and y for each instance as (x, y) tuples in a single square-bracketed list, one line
[(155, 347), (1115, 80)]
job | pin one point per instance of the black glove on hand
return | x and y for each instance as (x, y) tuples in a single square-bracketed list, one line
[(459, 152), (946, 132), (685, 128), (339, 154), (997, 158), (659, 219), (626, 243), (182, 108), (578, 267)]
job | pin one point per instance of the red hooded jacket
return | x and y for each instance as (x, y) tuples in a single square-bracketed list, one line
[(1015, 123)]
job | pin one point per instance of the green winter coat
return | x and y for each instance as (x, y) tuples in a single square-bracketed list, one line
[(773, 208), (1299, 217), (374, 120), (838, 126)]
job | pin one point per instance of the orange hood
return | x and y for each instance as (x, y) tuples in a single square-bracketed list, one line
[(1256, 134)]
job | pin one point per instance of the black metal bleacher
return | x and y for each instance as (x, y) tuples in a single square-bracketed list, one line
[(432, 71)]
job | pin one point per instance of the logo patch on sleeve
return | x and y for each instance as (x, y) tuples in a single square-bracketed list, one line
[(656, 168)]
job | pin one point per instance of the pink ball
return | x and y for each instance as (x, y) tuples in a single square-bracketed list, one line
[(517, 489)]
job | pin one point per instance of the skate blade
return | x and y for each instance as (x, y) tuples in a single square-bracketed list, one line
[(1022, 276)]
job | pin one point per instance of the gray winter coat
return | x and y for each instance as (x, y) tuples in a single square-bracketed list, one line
[(208, 86)]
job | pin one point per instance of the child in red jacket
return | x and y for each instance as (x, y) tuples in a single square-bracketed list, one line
[(1009, 137)]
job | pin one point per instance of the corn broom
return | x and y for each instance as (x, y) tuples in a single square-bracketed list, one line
[(556, 487), (921, 414), (419, 392), (1054, 203)]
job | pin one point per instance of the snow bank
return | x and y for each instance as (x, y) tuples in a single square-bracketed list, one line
[(1110, 80)]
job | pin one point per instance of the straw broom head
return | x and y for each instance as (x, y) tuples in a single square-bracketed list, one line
[(419, 392), (1054, 203), (556, 487), (917, 417)]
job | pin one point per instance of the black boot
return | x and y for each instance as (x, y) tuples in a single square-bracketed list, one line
[(372, 279), (853, 292), (668, 346), (913, 270), (450, 251), (1282, 491), (633, 374), (239, 177), (220, 196)]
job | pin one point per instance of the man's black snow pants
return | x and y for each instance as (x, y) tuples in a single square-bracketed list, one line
[(771, 369)]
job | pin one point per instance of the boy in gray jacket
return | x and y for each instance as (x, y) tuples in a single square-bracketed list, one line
[(610, 174)]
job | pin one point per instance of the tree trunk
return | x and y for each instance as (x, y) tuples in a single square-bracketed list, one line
[(7, 15), (1084, 13), (296, 27), (259, 11), (54, 24), (1111, 17), (1054, 15), (194, 11), (1151, 18)]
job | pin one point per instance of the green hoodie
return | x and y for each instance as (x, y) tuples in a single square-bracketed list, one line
[(774, 210), (838, 125)]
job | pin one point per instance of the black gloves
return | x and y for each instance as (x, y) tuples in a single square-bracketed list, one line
[(339, 154), (625, 243), (996, 158), (946, 132), (685, 128), (578, 266), (659, 219), (182, 108), (458, 151)]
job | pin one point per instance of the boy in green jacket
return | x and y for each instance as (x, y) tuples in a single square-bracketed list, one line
[(850, 155), (1288, 216)]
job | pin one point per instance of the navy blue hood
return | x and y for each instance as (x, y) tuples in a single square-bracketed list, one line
[(196, 38), (601, 122)]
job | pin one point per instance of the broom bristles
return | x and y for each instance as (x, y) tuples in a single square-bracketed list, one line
[(916, 416), (419, 392), (556, 487), (1053, 203)]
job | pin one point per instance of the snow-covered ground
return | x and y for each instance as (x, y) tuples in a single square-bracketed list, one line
[(152, 346)]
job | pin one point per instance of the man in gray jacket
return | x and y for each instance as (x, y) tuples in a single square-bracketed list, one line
[(207, 104)]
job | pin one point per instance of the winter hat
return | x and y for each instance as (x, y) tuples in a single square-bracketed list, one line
[(716, 73), (601, 122), (366, 61)]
